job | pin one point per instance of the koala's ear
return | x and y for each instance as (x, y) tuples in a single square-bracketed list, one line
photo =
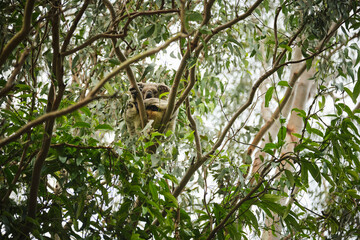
[(162, 88), (141, 85)]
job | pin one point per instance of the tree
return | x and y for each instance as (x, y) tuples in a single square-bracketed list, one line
[(267, 137)]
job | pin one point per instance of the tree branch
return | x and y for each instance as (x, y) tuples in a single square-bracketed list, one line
[(74, 25), (91, 40), (57, 70), (192, 169), (232, 211), (16, 40), (288, 92), (172, 96), (193, 127), (187, 90), (129, 72), (91, 95), (10, 83)]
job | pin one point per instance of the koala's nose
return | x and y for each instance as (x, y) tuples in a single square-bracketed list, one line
[(148, 95)]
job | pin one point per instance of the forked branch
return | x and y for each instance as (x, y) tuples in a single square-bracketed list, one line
[(92, 94)]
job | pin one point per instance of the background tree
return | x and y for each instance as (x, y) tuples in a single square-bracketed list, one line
[(267, 138)]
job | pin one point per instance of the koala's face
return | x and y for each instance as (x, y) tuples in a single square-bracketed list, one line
[(149, 91), (152, 90)]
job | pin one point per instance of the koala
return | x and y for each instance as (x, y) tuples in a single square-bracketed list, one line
[(150, 90), (154, 106)]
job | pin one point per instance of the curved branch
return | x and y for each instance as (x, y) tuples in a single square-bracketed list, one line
[(233, 210), (90, 97), (16, 40), (129, 72), (288, 92), (53, 104), (145, 13), (74, 25), (10, 83), (172, 96), (229, 24), (207, 39), (193, 126), (191, 170), (187, 89), (91, 40)]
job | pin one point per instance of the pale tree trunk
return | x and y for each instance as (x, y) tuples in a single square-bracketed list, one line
[(269, 116), (295, 125)]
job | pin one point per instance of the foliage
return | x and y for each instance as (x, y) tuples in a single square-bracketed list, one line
[(69, 169)]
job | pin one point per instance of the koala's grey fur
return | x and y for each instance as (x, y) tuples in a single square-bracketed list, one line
[(154, 106)]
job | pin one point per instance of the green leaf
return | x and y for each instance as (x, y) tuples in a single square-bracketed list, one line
[(308, 63), (291, 222), (81, 125), (190, 136), (271, 198), (315, 172), (171, 198), (282, 133), (74, 61), (290, 177), (109, 88), (353, 193), (301, 112), (356, 90), (287, 210), (148, 69), (154, 191), (304, 173), (62, 159), (205, 30), (148, 31), (103, 127), (86, 110), (268, 96), (194, 17), (171, 178), (317, 132), (285, 46), (284, 84)]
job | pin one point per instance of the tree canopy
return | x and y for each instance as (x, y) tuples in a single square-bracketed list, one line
[(266, 144)]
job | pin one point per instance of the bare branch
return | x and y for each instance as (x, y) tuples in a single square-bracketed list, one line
[(233, 210), (193, 127), (91, 40), (53, 104), (187, 90), (16, 40), (275, 32), (74, 25), (129, 72), (182, 16), (181, 68), (145, 13), (10, 83)]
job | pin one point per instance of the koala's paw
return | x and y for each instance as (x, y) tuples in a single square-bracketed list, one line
[(134, 92), (131, 105), (162, 88)]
